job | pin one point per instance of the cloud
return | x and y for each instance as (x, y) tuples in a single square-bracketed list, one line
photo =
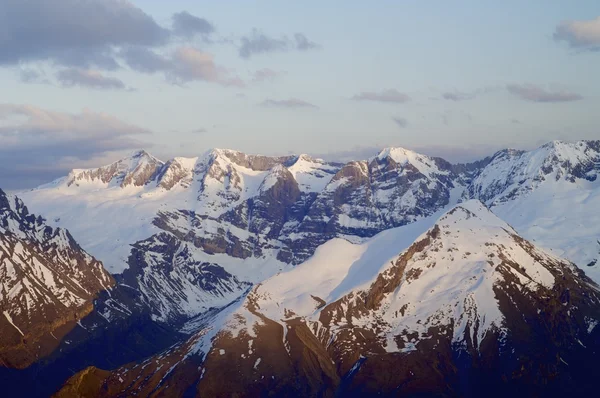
[(265, 74), (457, 96), (534, 93), (190, 64), (88, 78), (259, 43), (391, 95), (37, 145), (401, 122), (144, 60), (288, 103), (583, 35), (74, 33), (187, 25), (303, 44), (184, 65), (201, 130), (30, 75)]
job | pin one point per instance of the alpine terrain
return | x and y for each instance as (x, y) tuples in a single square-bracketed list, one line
[(230, 274)]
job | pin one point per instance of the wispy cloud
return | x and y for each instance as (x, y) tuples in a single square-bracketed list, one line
[(457, 96), (391, 95), (288, 103), (88, 78), (535, 93), (30, 75), (265, 74), (258, 42), (401, 122)]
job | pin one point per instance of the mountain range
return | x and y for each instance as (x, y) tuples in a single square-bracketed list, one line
[(236, 275)]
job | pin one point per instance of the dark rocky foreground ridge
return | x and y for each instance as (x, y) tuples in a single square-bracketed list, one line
[(216, 225)]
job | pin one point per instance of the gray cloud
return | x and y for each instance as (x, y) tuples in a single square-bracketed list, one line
[(288, 103), (302, 42), (457, 96), (73, 32), (583, 35), (88, 78), (259, 43), (144, 60), (201, 130), (265, 74), (391, 95), (30, 75), (401, 122), (534, 93), (187, 25), (37, 145)]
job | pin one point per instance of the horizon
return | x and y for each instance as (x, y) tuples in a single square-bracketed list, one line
[(458, 81)]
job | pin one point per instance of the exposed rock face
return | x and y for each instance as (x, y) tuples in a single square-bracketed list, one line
[(174, 285), (47, 284), (469, 308)]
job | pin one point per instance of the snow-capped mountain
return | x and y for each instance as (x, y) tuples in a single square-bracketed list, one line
[(511, 173), (47, 284), (551, 195), (319, 276), (442, 301), (243, 217), (250, 216)]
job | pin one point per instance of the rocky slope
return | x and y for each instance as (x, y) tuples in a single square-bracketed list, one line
[(461, 307), (47, 284)]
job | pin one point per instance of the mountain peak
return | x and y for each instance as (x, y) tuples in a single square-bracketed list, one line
[(396, 153)]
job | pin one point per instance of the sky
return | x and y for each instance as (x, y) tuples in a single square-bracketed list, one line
[(84, 82)]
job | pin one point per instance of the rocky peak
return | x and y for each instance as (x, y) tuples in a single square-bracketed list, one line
[(48, 281), (177, 171), (138, 169), (253, 162)]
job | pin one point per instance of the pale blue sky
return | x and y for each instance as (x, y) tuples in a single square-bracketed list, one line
[(474, 50)]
